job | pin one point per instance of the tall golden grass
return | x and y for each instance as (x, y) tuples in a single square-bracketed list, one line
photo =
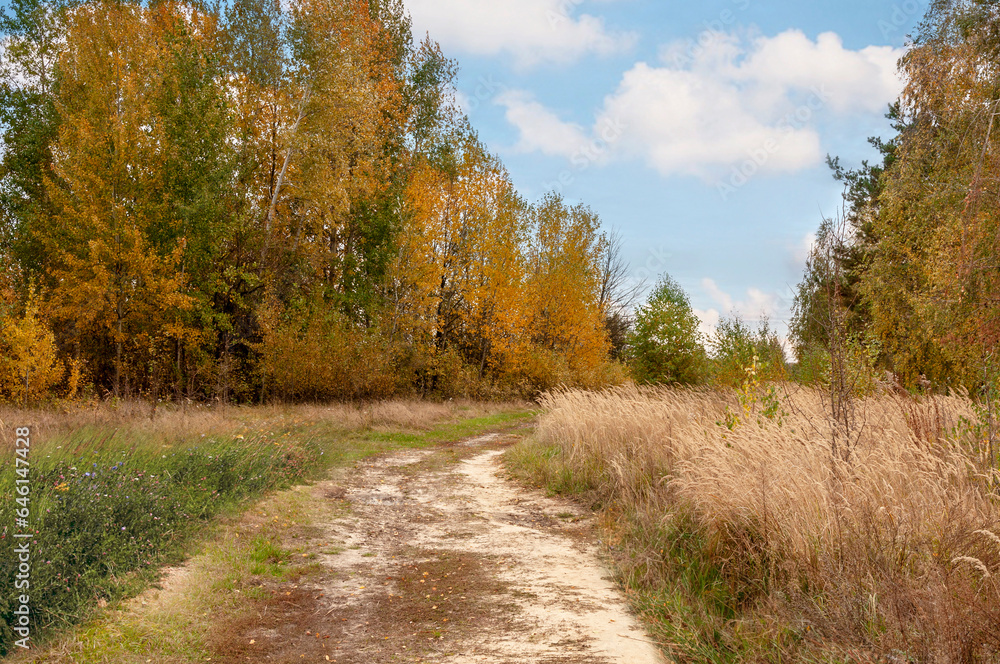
[(881, 542)]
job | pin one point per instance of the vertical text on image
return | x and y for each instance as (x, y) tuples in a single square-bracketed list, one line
[(21, 620)]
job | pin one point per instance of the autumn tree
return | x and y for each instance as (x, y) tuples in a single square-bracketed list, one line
[(932, 281), (32, 32), (29, 368), (211, 197), (918, 278), (112, 284), (458, 281), (564, 283)]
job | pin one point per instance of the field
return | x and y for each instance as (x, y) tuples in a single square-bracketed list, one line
[(743, 525), (117, 493), (751, 528)]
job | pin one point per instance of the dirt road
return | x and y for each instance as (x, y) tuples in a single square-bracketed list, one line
[(431, 556)]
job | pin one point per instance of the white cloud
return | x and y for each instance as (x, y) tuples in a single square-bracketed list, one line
[(683, 122), (708, 321), (532, 31), (540, 129), (731, 100), (851, 80), (718, 296), (756, 305), (759, 303)]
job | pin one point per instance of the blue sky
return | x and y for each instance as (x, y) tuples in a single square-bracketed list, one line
[(698, 130)]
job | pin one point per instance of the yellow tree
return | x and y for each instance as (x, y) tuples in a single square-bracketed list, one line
[(457, 283), (29, 367), (565, 284), (109, 286), (496, 234), (349, 101)]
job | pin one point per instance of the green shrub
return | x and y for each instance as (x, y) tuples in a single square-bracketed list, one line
[(737, 345)]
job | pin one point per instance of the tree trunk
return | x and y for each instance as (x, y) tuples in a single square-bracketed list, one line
[(269, 219)]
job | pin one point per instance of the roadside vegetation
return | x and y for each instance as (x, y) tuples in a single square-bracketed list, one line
[(117, 494), (751, 526)]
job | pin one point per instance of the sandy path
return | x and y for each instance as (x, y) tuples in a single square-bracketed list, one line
[(542, 595), (432, 556)]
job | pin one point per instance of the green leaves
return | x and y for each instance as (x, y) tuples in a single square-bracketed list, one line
[(666, 345)]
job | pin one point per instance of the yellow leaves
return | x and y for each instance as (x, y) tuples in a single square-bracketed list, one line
[(565, 282), (28, 365), (514, 289), (315, 353), (929, 283), (461, 266)]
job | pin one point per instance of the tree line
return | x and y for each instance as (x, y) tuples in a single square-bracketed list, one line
[(266, 200), (273, 200), (905, 282)]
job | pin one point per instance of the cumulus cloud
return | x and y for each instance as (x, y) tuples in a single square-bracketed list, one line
[(540, 129), (708, 321), (532, 31), (729, 99), (850, 80), (717, 294), (755, 305)]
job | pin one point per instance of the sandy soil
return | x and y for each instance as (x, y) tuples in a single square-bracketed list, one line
[(432, 556)]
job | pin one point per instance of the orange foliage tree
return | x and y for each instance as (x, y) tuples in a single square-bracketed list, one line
[(110, 284), (272, 199)]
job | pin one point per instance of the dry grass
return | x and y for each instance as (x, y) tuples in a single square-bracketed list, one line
[(887, 548), (240, 453), (166, 424)]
